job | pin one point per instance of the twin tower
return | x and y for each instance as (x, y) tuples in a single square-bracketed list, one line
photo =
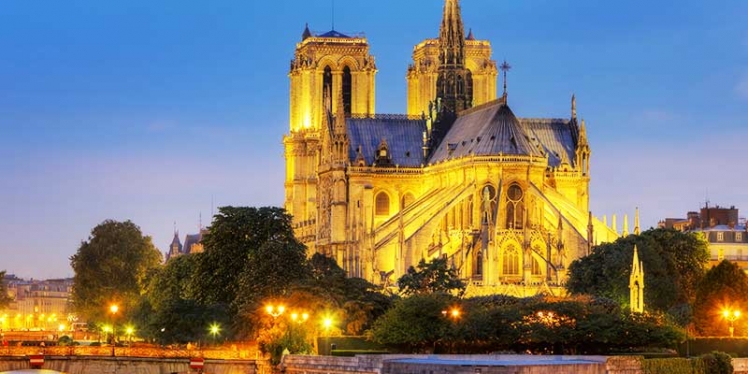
[(453, 67)]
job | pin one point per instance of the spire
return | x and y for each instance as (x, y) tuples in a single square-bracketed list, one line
[(306, 33), (583, 133), (453, 78), (625, 232), (637, 229), (614, 224), (470, 35), (636, 283), (340, 115), (573, 106), (452, 35)]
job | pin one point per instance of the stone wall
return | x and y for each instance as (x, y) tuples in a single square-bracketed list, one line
[(461, 364), (126, 365), (740, 365), (624, 365)]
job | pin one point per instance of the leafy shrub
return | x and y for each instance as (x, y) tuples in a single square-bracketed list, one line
[(65, 341), (718, 363)]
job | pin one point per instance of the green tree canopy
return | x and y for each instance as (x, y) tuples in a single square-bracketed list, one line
[(724, 287), (4, 297), (435, 276), (674, 262), (170, 313), (112, 267), (415, 323), (235, 235), (578, 325)]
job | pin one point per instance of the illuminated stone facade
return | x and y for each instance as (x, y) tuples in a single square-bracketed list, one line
[(37, 305), (505, 199), (722, 227)]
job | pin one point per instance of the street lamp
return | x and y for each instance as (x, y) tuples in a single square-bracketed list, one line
[(129, 330), (275, 310), (299, 318), (113, 309), (215, 329), (731, 315), (453, 313)]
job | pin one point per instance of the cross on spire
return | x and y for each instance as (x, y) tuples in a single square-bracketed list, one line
[(505, 67)]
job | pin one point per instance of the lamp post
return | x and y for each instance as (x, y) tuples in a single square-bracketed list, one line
[(453, 314), (275, 310), (113, 309), (731, 315)]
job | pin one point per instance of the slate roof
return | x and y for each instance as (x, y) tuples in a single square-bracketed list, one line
[(334, 34), (558, 138), (493, 129), (191, 240), (404, 138)]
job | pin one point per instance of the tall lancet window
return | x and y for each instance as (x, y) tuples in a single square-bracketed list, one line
[(327, 88), (347, 90), (510, 260), (479, 264), (469, 88), (514, 207)]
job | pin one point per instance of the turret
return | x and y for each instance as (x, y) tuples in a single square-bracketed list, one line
[(583, 146), (637, 229)]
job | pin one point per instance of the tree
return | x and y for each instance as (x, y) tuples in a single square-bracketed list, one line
[(170, 313), (362, 301), (724, 286), (173, 281), (431, 277), (673, 263), (415, 323), (236, 233), (112, 266), (273, 271), (4, 297)]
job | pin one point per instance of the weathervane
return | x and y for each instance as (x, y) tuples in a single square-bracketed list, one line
[(505, 67)]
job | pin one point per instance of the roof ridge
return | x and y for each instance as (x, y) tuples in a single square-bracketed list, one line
[(501, 101)]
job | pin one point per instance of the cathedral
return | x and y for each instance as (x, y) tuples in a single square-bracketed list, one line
[(505, 199)]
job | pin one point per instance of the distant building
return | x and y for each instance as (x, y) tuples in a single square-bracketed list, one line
[(722, 227), (193, 243), (38, 305)]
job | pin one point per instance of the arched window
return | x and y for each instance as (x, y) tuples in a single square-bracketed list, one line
[(470, 212), (469, 87), (536, 269), (327, 88), (510, 260), (407, 200), (347, 90), (382, 204), (514, 207), (479, 263)]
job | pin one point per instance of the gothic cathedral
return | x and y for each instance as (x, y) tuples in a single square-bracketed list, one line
[(505, 199)]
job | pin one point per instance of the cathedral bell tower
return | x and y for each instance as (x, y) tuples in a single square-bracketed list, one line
[(325, 67)]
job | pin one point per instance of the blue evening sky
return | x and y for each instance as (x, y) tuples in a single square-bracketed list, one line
[(151, 110)]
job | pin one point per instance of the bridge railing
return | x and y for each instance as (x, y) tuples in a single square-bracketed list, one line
[(234, 352)]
